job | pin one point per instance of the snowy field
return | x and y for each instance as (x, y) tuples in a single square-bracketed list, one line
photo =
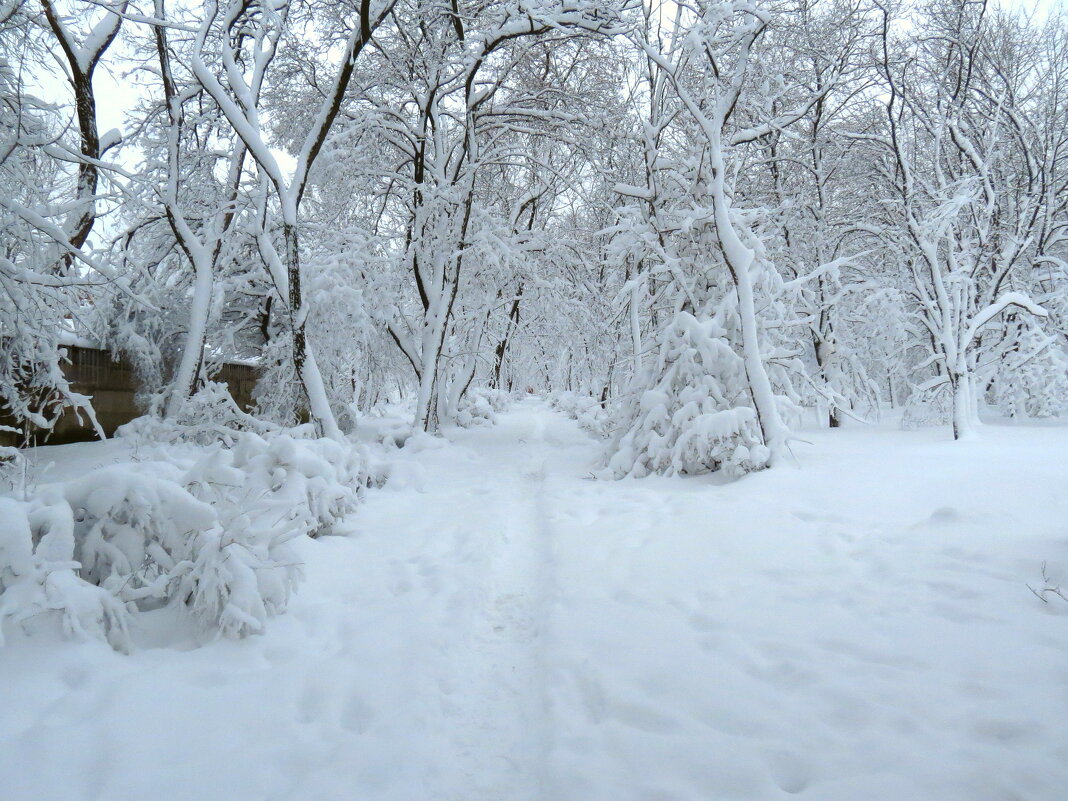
[(501, 627)]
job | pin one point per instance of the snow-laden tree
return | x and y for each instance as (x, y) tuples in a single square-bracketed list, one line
[(52, 173), (708, 101), (464, 96), (414, 199), (812, 180), (968, 171), (184, 244), (235, 45)]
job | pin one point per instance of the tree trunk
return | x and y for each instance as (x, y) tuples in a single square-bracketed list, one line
[(502, 346), (739, 258), (308, 374), (193, 350), (964, 412)]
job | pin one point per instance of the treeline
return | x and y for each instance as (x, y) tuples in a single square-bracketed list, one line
[(709, 217)]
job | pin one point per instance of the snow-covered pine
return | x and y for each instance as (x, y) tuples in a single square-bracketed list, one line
[(695, 416)]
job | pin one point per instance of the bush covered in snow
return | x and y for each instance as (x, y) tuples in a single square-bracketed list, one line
[(312, 484), (1032, 377), (695, 416), (132, 537), (479, 406), (587, 411), (135, 525), (39, 583), (208, 528), (210, 415), (927, 406)]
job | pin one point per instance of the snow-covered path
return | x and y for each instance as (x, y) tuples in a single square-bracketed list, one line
[(501, 628), (488, 517)]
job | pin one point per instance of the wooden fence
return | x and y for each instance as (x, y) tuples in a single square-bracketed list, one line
[(112, 385)]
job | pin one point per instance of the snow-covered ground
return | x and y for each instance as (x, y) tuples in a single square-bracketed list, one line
[(502, 627)]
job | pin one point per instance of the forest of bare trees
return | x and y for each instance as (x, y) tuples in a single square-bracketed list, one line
[(712, 219)]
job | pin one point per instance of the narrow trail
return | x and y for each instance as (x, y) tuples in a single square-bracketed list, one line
[(489, 513), (506, 723)]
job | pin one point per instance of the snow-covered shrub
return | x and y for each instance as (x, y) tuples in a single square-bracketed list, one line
[(587, 411), (309, 485), (265, 491), (210, 415), (130, 537), (1032, 377), (135, 526), (243, 570), (237, 578), (140, 535), (927, 405), (384, 432), (216, 536), (39, 584), (210, 532), (479, 406), (695, 417), (475, 410)]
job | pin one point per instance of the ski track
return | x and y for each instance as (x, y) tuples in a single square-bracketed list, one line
[(499, 629)]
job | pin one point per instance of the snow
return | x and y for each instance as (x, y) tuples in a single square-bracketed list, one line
[(500, 626)]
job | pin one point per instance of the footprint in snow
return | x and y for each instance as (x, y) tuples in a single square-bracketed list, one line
[(513, 616), (789, 772), (357, 715), (942, 516), (312, 703)]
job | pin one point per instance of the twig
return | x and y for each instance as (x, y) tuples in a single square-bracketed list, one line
[(1048, 589)]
